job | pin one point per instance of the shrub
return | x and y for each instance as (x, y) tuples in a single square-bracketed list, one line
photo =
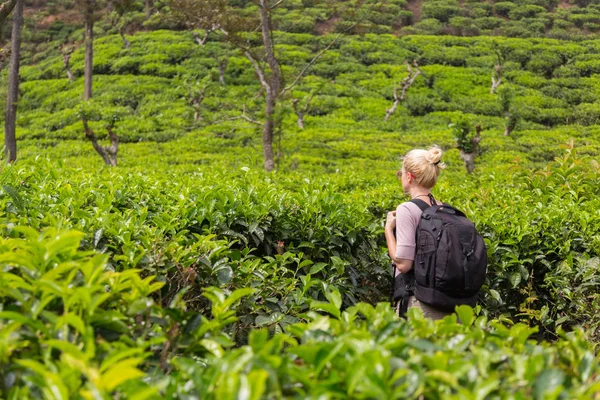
[(440, 12), (525, 11), (504, 8)]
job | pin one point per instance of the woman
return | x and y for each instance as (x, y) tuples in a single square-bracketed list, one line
[(419, 174)]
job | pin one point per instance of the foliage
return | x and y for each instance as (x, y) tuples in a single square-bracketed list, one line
[(214, 278), (366, 352), (73, 327), (464, 133)]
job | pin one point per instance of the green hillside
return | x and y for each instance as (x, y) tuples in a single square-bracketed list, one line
[(559, 19), (189, 272)]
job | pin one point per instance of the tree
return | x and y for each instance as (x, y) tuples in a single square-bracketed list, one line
[(218, 17), (496, 78), (109, 116), (301, 111), (467, 142), (222, 63), (123, 13), (196, 93), (66, 50), (220, 53), (405, 85), (89, 9), (497, 72), (506, 94), (148, 7), (10, 125)]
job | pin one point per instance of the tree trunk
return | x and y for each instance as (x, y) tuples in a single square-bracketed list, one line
[(268, 128), (10, 140), (126, 42), (89, 52), (299, 113), (469, 159), (108, 153), (265, 19), (390, 111), (66, 60), (406, 84), (496, 78), (300, 120), (148, 7), (274, 84), (222, 68), (511, 122), (200, 41)]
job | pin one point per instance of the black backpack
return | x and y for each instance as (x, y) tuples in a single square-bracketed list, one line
[(451, 258)]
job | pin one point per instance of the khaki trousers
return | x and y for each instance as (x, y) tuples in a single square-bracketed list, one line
[(428, 311)]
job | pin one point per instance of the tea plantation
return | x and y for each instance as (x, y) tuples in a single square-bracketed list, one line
[(188, 272)]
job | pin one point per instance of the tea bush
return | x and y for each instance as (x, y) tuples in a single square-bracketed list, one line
[(188, 272), (73, 327), (300, 231)]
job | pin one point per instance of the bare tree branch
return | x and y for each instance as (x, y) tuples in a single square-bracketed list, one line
[(274, 6), (201, 41), (108, 153), (222, 65), (66, 52), (114, 144), (315, 58), (310, 64), (242, 116), (497, 73), (496, 78), (407, 82), (300, 112), (477, 138), (257, 68)]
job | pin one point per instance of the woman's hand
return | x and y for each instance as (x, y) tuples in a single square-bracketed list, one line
[(390, 221)]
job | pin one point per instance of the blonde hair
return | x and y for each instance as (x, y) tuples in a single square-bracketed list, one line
[(425, 165)]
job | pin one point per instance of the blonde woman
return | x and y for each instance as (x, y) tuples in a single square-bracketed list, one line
[(419, 174)]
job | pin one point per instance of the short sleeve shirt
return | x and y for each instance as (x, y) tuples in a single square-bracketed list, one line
[(407, 218)]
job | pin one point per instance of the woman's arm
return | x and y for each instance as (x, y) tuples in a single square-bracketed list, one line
[(402, 264)]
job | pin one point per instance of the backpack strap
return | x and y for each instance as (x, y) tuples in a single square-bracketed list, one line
[(420, 203), (432, 200)]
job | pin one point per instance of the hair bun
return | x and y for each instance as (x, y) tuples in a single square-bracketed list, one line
[(434, 155)]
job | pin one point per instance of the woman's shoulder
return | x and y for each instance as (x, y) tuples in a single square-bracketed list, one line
[(408, 207)]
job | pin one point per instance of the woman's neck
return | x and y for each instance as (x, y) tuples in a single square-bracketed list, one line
[(418, 192)]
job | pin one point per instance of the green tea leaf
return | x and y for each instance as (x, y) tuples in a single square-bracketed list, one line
[(547, 383), (224, 274), (466, 315), (317, 267)]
